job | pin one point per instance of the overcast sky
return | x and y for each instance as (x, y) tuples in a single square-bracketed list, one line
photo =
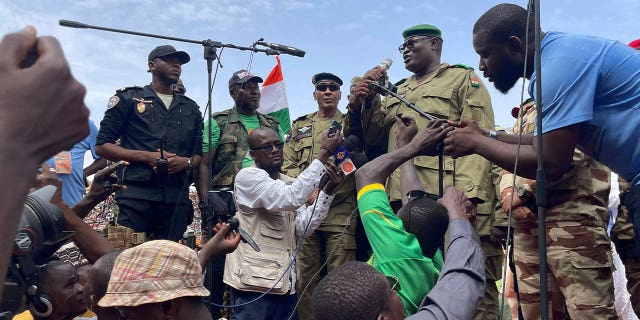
[(343, 37)]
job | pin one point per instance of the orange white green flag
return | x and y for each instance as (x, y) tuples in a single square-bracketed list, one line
[(273, 98)]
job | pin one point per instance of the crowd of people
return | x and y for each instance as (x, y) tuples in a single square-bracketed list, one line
[(420, 230)]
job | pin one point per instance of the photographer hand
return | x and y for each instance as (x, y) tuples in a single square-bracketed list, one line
[(329, 146), (97, 193), (336, 176), (224, 241)]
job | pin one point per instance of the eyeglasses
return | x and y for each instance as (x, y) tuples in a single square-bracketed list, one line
[(331, 87), (395, 286), (269, 147), (411, 43)]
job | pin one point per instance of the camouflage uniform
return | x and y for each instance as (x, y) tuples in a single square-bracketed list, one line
[(301, 148), (454, 92), (578, 249), (232, 146)]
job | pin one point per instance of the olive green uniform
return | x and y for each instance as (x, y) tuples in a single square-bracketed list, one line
[(335, 237), (453, 92)]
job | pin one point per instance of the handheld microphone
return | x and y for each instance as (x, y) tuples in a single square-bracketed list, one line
[(384, 80), (349, 144), (283, 48), (246, 237)]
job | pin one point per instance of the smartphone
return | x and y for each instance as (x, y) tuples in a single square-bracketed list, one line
[(334, 127)]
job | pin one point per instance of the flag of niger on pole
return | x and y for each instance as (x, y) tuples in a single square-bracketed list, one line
[(273, 98)]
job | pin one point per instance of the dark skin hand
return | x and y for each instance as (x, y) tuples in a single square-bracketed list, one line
[(457, 204), (363, 93), (224, 241), (558, 144)]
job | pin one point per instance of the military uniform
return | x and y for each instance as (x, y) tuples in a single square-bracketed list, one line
[(140, 119), (299, 151), (578, 248), (454, 92), (232, 146)]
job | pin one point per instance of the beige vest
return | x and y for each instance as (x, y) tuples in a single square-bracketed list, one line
[(248, 270)]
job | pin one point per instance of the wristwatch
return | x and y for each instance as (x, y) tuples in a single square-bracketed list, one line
[(493, 134), (524, 192), (189, 162)]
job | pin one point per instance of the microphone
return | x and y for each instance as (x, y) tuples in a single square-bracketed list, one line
[(246, 237), (283, 48), (386, 64), (384, 80), (341, 154)]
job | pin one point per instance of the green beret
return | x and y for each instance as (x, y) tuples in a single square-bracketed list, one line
[(326, 76), (422, 30)]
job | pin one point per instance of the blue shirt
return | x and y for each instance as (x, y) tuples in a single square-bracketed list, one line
[(596, 83), (73, 184)]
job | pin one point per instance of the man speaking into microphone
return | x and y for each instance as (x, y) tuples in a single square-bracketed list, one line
[(449, 92), (330, 239)]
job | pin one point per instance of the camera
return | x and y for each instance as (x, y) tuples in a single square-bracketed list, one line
[(40, 233)]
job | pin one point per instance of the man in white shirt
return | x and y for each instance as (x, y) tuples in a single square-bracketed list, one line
[(271, 209)]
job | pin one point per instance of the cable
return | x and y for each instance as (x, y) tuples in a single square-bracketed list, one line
[(286, 271), (515, 166)]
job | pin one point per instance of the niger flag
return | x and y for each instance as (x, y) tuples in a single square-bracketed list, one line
[(273, 98)]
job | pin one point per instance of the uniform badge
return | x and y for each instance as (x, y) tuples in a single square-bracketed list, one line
[(475, 82), (303, 132), (142, 104), (112, 102)]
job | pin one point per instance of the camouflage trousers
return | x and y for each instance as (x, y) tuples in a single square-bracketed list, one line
[(335, 248), (579, 270)]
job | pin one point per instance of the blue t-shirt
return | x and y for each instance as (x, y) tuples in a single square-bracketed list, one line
[(73, 184), (594, 82)]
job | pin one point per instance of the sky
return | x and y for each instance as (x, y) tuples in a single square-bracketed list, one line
[(344, 37)]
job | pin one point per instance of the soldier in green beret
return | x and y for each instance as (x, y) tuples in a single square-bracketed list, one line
[(335, 237), (446, 91)]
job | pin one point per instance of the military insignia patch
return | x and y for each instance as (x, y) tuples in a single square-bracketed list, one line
[(475, 82), (303, 132), (287, 137), (112, 102)]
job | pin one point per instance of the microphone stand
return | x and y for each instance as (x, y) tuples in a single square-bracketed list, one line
[(541, 195), (426, 115)]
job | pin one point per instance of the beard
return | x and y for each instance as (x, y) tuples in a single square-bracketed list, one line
[(504, 84)]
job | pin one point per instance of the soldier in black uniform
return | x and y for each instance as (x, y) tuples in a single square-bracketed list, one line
[(149, 120)]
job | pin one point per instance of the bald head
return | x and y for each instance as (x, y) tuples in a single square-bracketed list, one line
[(258, 134), (503, 21)]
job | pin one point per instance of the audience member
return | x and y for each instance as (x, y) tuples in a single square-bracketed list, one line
[(157, 280), (355, 291)]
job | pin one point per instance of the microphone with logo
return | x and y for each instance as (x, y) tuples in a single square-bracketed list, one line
[(344, 156)]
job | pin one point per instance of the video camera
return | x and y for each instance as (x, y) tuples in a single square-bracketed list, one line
[(40, 233)]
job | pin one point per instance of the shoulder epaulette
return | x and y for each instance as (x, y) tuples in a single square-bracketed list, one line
[(129, 88), (221, 113), (461, 65), (400, 82), (300, 118), (189, 99), (271, 118)]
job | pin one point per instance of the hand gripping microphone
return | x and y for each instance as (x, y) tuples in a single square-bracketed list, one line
[(349, 144), (383, 83), (245, 236)]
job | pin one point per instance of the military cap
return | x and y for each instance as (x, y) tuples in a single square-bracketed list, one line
[(243, 76), (635, 44), (167, 50), (326, 76), (355, 80), (422, 30)]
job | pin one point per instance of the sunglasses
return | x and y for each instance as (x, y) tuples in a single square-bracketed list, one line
[(331, 87), (269, 147), (411, 43)]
